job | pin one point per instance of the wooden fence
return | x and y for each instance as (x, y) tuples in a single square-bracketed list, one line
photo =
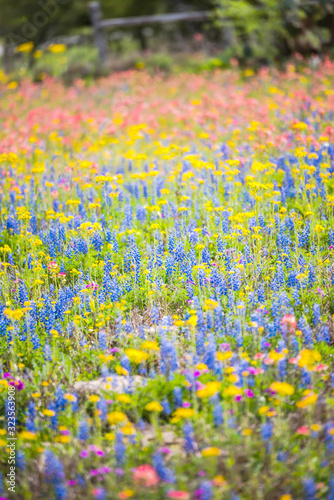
[(100, 25)]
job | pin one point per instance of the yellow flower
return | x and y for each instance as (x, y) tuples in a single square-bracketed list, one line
[(49, 413), (123, 398), (282, 388), (232, 390), (211, 452), (70, 397), (128, 429), (150, 345), (308, 358), (246, 432), (276, 356), (28, 436), (218, 480), (109, 436), (181, 413), (36, 395), (201, 366), (263, 410), (309, 400), (136, 356), (222, 356), (57, 48), (126, 494), (116, 416), (62, 439), (209, 390), (154, 406), (25, 47), (94, 398), (192, 321)]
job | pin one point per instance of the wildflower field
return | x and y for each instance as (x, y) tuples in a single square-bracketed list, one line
[(167, 289)]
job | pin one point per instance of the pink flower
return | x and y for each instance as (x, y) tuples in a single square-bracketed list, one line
[(84, 454), (104, 470), (320, 367), (145, 475), (52, 265), (303, 430), (249, 393), (98, 491), (290, 322), (180, 495), (198, 37)]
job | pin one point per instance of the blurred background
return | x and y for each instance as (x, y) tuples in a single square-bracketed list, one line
[(56, 37)]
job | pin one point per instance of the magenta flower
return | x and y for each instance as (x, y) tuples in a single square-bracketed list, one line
[(99, 453), (165, 450), (18, 384), (84, 454), (70, 482)]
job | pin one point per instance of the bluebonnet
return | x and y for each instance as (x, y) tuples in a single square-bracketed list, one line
[(218, 416), (189, 440), (162, 470), (205, 491), (310, 489), (120, 449), (83, 430), (103, 344)]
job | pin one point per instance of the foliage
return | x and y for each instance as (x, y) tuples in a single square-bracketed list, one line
[(272, 29)]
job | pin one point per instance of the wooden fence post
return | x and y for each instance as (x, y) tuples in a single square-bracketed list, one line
[(99, 36)]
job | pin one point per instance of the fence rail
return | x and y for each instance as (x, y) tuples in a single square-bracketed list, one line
[(99, 24)]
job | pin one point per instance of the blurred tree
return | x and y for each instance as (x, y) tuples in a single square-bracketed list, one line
[(271, 29), (28, 20)]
